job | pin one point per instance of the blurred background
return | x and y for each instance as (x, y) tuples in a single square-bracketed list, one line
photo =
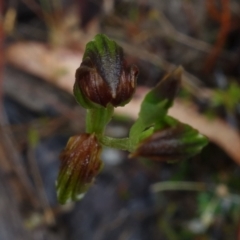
[(42, 43)]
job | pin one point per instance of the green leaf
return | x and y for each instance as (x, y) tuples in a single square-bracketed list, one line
[(156, 104)]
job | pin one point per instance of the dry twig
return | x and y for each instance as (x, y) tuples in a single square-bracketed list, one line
[(225, 20)]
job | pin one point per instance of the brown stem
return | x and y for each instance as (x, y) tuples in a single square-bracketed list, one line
[(1, 53), (222, 35)]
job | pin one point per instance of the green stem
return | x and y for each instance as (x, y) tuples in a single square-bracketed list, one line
[(120, 143), (97, 119)]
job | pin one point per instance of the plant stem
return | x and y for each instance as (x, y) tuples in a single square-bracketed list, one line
[(120, 143), (97, 119)]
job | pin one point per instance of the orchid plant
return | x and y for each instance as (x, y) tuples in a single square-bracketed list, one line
[(103, 82)]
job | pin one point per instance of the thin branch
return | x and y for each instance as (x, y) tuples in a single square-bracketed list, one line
[(35, 7), (179, 186), (1, 53), (16, 161), (190, 82), (38, 182), (166, 29), (221, 37)]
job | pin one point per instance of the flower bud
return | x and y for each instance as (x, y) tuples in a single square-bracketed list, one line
[(170, 144), (104, 77), (80, 163)]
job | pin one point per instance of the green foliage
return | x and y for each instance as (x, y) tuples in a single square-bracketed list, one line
[(228, 98), (104, 81), (157, 102)]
